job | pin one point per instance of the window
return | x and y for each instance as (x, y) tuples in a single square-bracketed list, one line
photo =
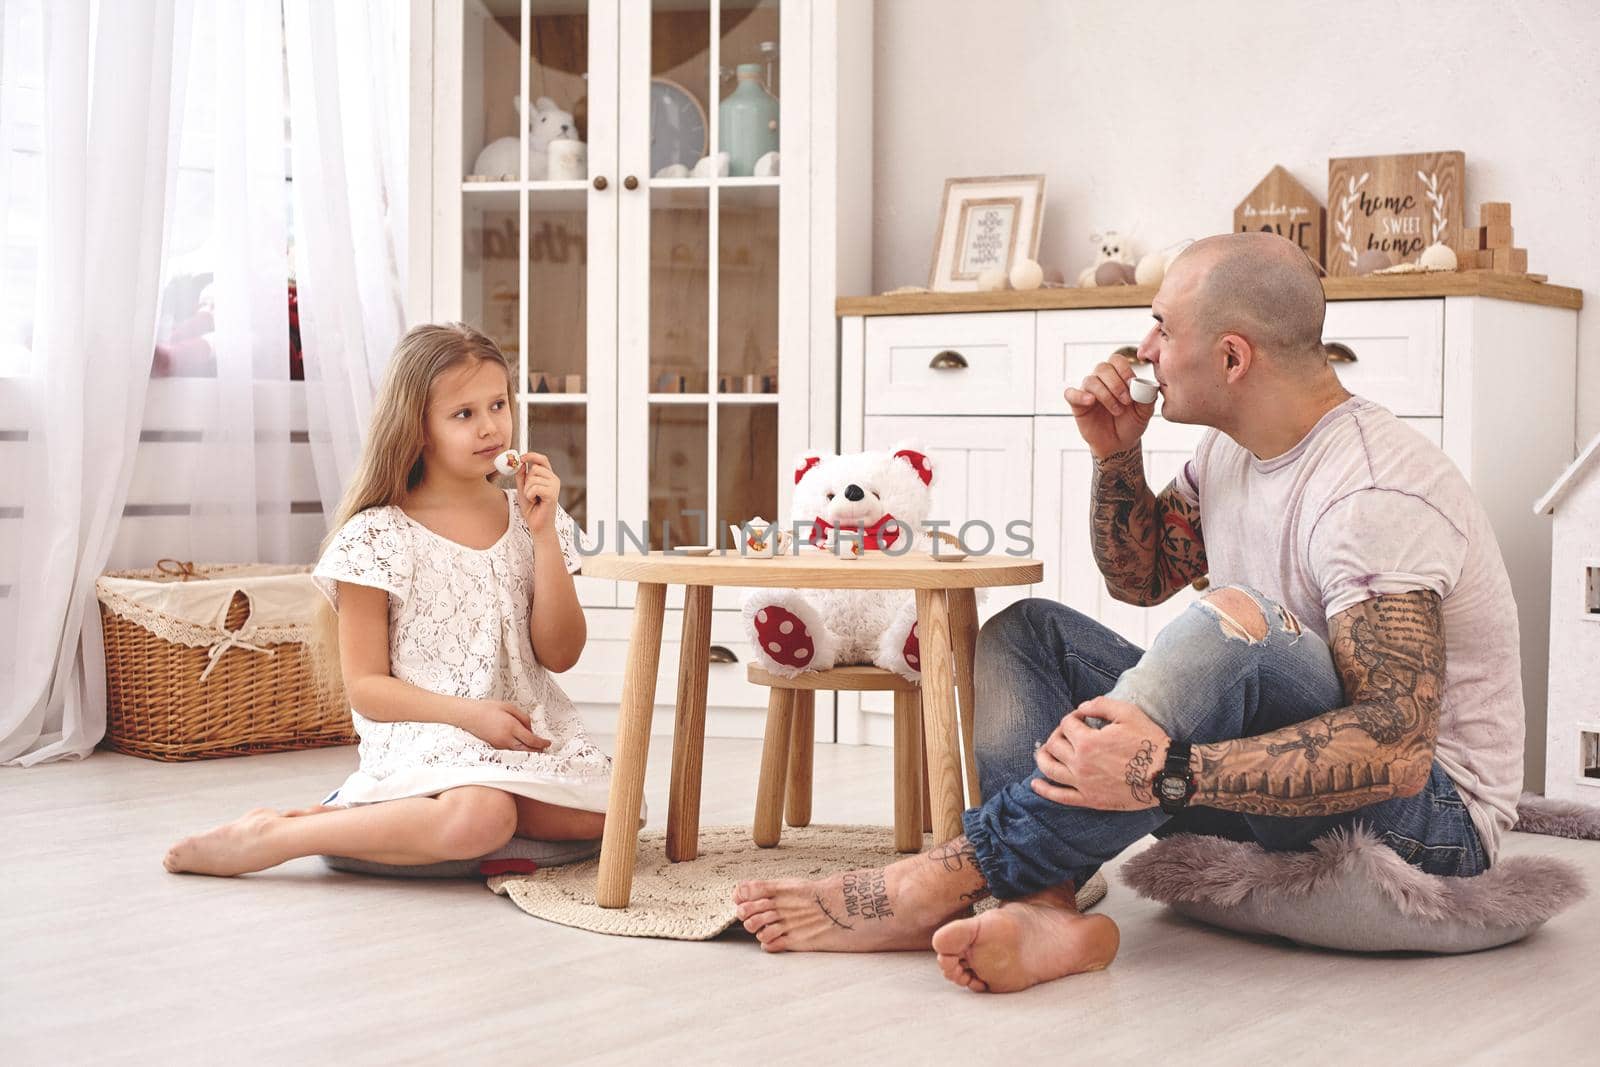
[(21, 176)]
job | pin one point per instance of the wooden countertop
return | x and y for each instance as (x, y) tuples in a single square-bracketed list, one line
[(1515, 287)]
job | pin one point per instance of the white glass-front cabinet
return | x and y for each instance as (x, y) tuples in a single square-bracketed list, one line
[(670, 320)]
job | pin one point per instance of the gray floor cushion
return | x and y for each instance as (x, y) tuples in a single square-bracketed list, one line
[(520, 856), (1352, 892), (1559, 818)]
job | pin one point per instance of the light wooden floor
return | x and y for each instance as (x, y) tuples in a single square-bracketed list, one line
[(104, 957)]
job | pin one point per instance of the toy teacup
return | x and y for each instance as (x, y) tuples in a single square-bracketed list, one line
[(760, 539)]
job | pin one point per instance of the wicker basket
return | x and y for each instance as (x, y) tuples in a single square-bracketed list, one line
[(190, 699)]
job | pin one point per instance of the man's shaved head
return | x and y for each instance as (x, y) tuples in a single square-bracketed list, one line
[(1260, 286)]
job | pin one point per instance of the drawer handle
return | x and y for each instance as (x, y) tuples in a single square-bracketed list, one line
[(949, 359), (1131, 354), (721, 654), (1338, 353)]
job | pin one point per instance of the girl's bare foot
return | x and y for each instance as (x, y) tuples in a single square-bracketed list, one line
[(870, 910), (233, 848), (1025, 942)]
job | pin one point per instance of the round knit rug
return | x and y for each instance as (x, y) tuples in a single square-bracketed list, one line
[(694, 901)]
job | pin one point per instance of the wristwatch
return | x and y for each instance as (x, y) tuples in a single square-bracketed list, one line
[(1174, 783)]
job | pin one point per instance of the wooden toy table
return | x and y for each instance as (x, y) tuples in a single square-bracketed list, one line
[(947, 627)]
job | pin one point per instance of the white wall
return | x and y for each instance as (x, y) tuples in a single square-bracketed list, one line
[(1161, 116)]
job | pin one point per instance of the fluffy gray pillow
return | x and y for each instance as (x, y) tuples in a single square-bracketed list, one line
[(519, 856), (1352, 892)]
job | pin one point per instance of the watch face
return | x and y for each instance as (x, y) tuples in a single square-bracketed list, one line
[(1171, 787)]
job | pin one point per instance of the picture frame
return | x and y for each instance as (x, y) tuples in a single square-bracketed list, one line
[(985, 223)]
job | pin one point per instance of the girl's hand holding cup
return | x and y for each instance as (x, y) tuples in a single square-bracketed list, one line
[(538, 489)]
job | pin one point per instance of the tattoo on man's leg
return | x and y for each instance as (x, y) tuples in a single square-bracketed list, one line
[(956, 855), (866, 895), (832, 918)]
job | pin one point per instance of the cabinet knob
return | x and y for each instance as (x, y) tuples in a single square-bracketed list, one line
[(630, 182), (949, 359), (721, 654), (1131, 354), (600, 181), (1338, 353)]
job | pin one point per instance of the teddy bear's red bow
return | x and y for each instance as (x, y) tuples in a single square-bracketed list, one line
[(874, 536)]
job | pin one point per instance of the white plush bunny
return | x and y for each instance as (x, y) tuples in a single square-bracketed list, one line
[(546, 123)]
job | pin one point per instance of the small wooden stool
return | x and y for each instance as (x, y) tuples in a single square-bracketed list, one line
[(786, 754)]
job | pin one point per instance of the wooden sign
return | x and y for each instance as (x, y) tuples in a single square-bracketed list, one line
[(1283, 206), (1393, 205)]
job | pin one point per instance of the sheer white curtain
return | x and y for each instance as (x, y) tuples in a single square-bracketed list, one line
[(233, 157), (113, 77), (166, 226), (348, 121)]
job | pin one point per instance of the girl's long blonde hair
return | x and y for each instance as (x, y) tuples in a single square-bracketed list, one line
[(391, 458)]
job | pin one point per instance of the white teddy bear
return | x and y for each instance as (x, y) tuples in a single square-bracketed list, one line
[(1110, 247), (883, 498), (547, 123)]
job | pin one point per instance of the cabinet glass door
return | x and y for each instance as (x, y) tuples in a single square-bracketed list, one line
[(699, 284), (538, 255)]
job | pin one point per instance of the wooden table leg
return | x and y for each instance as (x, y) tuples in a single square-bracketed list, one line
[(689, 729), (939, 712), (907, 771), (774, 768), (621, 838), (802, 749), (964, 638), (922, 769)]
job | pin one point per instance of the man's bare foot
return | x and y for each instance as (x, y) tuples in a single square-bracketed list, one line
[(237, 847), (870, 910), (1024, 942)]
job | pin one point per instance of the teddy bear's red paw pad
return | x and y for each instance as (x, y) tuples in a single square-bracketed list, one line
[(784, 637), (912, 650)]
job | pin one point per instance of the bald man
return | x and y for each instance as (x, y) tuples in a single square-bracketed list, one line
[(1355, 661)]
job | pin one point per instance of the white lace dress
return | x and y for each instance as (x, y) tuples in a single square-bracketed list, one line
[(458, 625)]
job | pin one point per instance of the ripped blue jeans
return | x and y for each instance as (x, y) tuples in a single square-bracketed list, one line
[(1204, 679)]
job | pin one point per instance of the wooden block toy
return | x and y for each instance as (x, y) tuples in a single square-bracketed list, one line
[(1510, 260), (574, 383), (1496, 212), (542, 383), (1495, 235), (1485, 258)]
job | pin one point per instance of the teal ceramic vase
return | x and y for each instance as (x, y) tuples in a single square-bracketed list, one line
[(749, 122)]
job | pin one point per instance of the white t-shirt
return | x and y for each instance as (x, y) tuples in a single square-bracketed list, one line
[(1365, 506)]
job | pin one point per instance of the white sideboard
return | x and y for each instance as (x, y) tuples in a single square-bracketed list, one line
[(977, 379)]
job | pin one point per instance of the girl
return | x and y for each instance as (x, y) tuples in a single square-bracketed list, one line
[(453, 598)]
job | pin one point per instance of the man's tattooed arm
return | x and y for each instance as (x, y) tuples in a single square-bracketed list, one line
[(1148, 547), (1390, 655)]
